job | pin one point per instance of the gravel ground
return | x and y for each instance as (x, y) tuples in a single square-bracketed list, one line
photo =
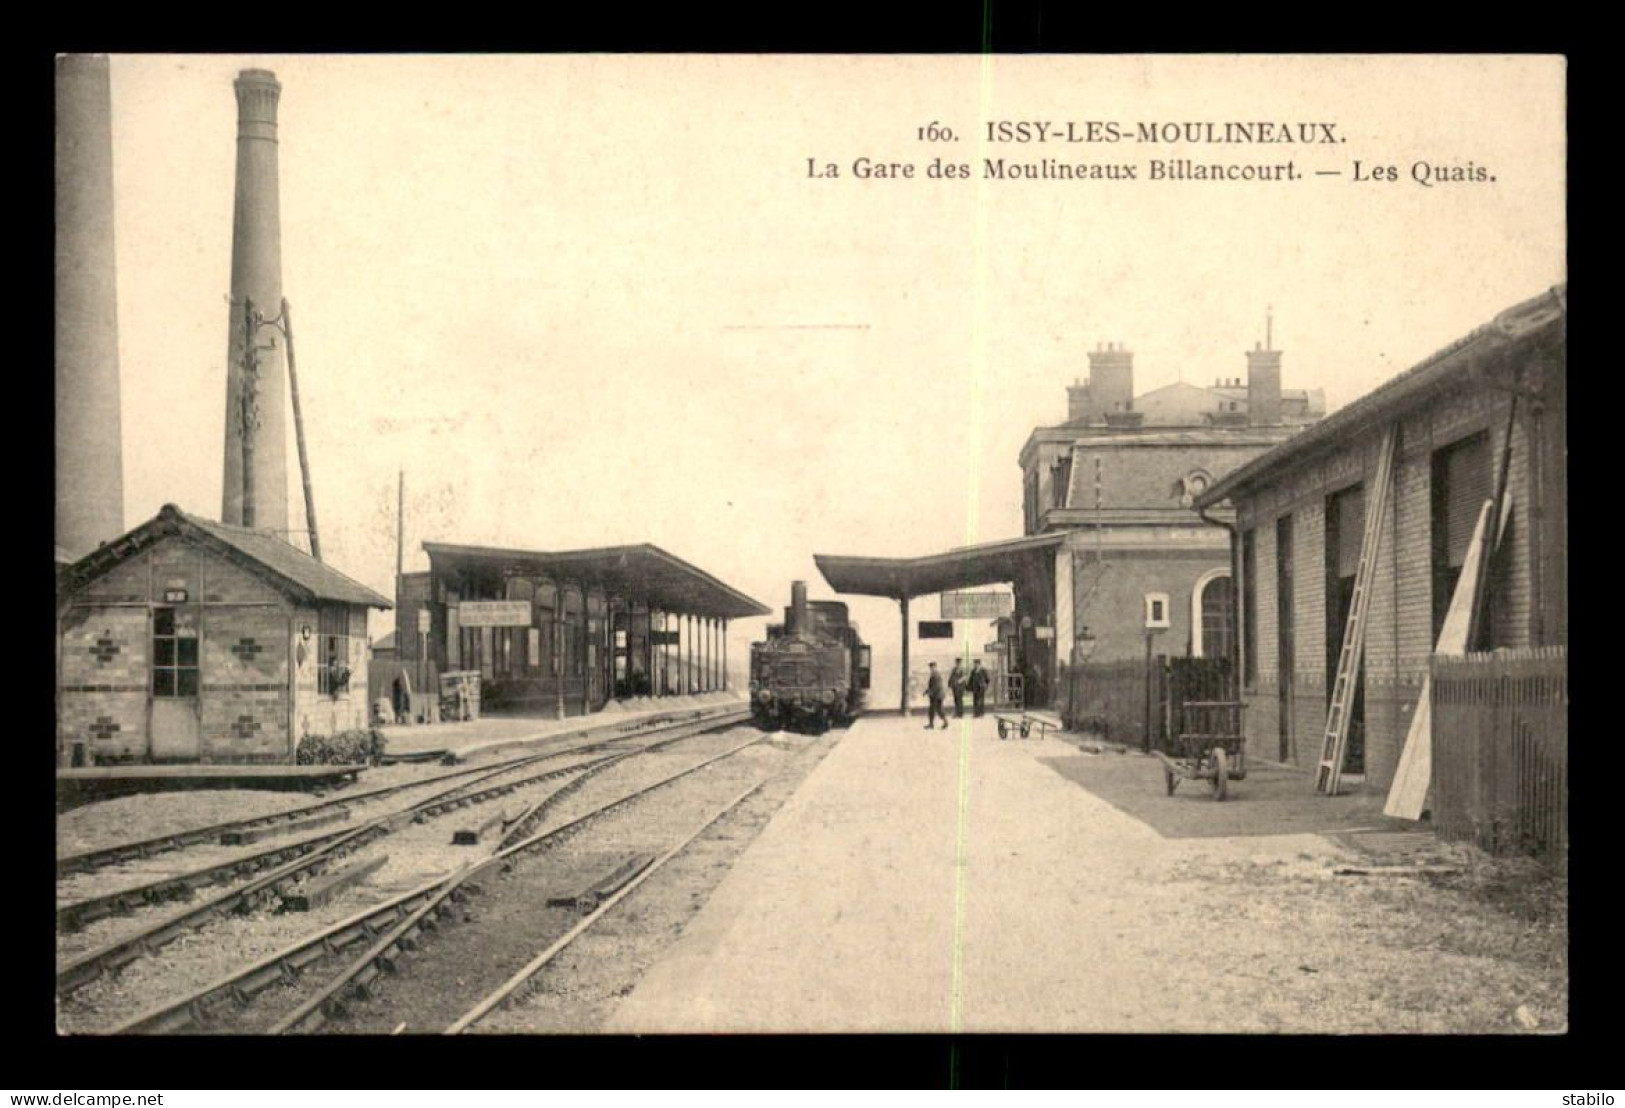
[(575, 993), (417, 853), (145, 871), (150, 815), (509, 922)]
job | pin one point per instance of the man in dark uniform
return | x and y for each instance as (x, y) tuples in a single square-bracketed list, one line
[(956, 685), (978, 686), (933, 696)]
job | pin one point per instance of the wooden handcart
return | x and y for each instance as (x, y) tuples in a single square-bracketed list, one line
[(1022, 724), (1210, 747)]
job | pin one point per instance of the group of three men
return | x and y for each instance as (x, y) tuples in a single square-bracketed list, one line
[(958, 681)]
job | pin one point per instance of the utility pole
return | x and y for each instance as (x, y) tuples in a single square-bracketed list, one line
[(284, 323), (248, 409)]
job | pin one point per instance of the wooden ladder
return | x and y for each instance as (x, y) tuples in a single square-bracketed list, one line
[(1335, 741)]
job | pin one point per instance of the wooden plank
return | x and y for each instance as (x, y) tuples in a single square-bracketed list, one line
[(469, 836), (607, 885), (1408, 795), (318, 892)]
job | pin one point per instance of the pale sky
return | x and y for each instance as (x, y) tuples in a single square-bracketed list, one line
[(575, 297)]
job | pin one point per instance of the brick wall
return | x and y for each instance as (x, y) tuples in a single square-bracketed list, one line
[(316, 713), (244, 705), (127, 582), (1143, 476), (104, 678), (1111, 599), (1399, 634)]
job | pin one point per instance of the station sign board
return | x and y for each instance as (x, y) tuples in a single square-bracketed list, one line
[(936, 628), (494, 613), (977, 605), (993, 648), (664, 638)]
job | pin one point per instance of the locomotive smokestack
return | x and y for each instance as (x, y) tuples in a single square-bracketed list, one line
[(256, 274), (89, 465), (798, 609)]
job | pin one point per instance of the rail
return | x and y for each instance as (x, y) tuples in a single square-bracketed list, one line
[(114, 955)]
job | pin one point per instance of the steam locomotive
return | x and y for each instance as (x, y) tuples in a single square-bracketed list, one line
[(812, 671)]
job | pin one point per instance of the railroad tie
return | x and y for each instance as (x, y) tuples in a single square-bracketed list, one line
[(248, 835), (469, 836), (321, 890), (604, 886)]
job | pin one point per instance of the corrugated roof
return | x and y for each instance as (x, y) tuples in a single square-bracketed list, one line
[(296, 571), (1515, 323)]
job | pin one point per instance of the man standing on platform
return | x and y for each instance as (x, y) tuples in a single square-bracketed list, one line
[(978, 686), (933, 697), (956, 685)]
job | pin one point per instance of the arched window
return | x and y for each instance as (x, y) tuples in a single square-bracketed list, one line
[(1213, 626)]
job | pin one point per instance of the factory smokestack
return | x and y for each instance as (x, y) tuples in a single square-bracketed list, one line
[(256, 275), (89, 445)]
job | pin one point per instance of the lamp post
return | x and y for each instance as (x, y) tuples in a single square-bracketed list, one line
[(1083, 647)]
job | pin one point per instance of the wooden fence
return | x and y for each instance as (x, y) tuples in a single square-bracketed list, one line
[(1501, 750), (1108, 698)]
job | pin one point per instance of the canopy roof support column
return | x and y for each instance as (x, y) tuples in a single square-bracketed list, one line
[(903, 607)]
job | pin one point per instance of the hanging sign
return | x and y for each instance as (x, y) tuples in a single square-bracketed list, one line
[(977, 605), (936, 629), (495, 613)]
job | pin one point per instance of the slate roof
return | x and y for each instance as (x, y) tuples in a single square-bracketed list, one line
[(288, 566), (1547, 310)]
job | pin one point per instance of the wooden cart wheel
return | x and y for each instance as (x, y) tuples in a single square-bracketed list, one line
[(1003, 729), (1170, 780), (1221, 772)]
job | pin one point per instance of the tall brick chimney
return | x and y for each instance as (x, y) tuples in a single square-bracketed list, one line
[(89, 443), (1111, 379), (256, 274), (1263, 387), (1079, 403)]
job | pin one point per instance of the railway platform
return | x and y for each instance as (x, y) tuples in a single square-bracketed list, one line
[(83, 784), (492, 734), (933, 881)]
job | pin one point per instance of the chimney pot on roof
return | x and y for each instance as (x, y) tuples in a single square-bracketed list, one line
[(1263, 387)]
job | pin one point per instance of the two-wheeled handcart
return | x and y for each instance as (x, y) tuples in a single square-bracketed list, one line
[(1210, 747)]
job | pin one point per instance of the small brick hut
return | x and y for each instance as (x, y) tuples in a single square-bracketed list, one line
[(188, 640)]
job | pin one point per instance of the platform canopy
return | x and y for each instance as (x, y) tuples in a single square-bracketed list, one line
[(643, 572), (961, 568)]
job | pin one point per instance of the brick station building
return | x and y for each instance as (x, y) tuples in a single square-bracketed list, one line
[(188, 640), (1119, 480), (1300, 515)]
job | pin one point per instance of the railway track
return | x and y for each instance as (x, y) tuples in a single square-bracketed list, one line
[(113, 956), (181, 886), (120, 853), (393, 926), (515, 988)]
